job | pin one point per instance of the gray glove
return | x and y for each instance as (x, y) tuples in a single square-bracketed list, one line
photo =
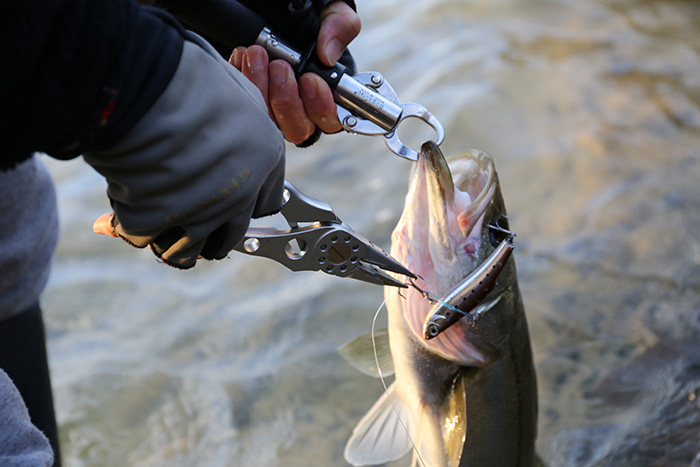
[(187, 179)]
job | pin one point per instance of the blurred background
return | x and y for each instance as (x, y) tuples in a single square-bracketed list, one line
[(592, 113)]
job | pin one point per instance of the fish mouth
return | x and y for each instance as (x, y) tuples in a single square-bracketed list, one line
[(459, 192), (442, 236)]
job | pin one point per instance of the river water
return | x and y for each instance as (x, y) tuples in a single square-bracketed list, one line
[(592, 113)]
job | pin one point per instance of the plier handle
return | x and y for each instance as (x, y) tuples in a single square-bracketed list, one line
[(318, 240)]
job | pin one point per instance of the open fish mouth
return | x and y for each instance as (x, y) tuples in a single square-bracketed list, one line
[(443, 236), (450, 200)]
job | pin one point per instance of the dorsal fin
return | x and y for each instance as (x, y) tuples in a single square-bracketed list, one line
[(380, 436)]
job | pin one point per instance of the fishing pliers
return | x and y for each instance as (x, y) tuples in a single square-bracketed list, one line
[(317, 240)]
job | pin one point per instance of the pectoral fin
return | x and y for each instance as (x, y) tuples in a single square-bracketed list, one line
[(380, 436), (359, 353)]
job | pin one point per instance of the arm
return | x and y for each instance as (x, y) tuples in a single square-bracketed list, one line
[(298, 21), (183, 139), (66, 72)]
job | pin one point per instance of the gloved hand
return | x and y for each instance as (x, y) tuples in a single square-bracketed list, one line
[(206, 157)]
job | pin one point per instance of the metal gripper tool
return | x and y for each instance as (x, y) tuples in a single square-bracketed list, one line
[(367, 104)]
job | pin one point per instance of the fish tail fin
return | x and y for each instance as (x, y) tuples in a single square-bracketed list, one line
[(381, 436)]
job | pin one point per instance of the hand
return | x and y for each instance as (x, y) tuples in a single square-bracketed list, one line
[(299, 107)]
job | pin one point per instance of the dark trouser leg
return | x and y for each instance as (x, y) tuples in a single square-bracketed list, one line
[(23, 357)]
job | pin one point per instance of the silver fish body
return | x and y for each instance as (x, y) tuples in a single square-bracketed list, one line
[(467, 397)]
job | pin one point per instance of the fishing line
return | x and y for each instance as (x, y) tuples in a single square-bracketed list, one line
[(432, 298), (386, 390)]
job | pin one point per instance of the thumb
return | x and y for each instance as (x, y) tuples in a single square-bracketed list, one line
[(339, 26)]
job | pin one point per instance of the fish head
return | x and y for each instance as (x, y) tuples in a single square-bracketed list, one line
[(443, 234)]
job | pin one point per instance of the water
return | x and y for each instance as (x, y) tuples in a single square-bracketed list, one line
[(592, 113)]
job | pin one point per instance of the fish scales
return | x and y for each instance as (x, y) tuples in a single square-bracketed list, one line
[(467, 397)]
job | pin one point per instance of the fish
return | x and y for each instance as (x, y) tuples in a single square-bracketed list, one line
[(468, 396)]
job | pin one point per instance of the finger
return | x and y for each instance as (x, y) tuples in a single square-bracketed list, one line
[(286, 104), (318, 102), (339, 26), (254, 66), (237, 57), (103, 225)]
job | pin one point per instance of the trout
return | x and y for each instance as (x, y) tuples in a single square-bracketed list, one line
[(465, 397)]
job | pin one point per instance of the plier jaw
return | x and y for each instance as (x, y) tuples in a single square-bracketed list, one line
[(322, 243)]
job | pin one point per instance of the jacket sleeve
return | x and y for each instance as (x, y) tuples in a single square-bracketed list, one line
[(297, 21), (183, 139), (83, 72)]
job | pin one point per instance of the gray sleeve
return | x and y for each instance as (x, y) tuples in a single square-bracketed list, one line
[(207, 157), (21, 443)]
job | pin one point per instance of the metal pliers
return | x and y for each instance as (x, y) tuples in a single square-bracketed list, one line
[(318, 240)]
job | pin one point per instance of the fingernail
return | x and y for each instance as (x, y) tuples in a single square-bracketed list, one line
[(255, 61), (310, 87), (279, 74), (235, 58), (334, 50)]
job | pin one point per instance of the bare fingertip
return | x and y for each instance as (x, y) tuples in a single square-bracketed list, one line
[(103, 225), (237, 57)]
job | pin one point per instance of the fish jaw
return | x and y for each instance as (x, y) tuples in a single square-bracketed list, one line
[(441, 237)]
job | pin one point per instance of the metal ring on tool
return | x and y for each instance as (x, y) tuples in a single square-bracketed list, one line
[(416, 111)]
